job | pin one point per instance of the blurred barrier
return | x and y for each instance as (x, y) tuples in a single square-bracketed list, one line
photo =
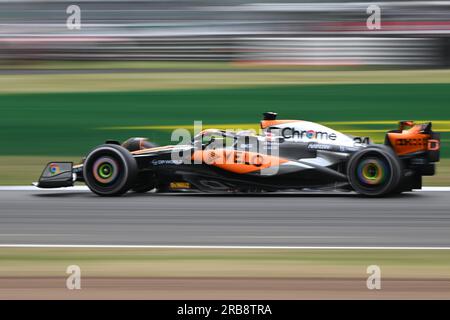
[(281, 50), (340, 51), (297, 32)]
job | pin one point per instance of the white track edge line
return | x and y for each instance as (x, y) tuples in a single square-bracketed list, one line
[(32, 188), (84, 188), (106, 246), (435, 189)]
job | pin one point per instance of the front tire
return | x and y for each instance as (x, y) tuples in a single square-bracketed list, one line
[(109, 170), (374, 171)]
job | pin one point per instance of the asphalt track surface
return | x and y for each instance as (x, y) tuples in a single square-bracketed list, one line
[(315, 219)]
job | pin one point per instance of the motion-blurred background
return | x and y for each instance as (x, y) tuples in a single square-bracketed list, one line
[(143, 68)]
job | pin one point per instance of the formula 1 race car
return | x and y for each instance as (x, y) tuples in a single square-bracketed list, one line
[(290, 155)]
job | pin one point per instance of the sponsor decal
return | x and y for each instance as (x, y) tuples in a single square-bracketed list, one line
[(240, 157), (292, 133), (330, 147), (412, 142), (180, 185), (166, 162), (247, 159), (433, 145), (212, 156), (54, 169), (319, 146)]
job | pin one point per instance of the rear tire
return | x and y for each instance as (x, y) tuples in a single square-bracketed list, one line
[(375, 171), (110, 170)]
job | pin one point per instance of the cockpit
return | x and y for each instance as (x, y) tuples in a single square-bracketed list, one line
[(215, 139)]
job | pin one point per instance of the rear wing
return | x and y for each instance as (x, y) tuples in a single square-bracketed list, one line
[(411, 139), (57, 175)]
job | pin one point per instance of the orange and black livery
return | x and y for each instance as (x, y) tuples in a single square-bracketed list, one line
[(294, 155)]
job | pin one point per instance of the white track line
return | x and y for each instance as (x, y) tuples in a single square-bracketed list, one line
[(118, 246), (33, 188), (435, 189), (84, 188)]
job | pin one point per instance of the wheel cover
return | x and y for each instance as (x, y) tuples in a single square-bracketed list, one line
[(105, 170)]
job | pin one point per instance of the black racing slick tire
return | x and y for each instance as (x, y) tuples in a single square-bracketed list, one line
[(110, 170), (375, 171)]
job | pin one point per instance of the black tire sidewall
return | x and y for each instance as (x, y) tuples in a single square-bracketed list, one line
[(127, 165), (385, 154)]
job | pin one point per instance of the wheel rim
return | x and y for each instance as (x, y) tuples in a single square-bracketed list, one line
[(105, 170), (372, 172)]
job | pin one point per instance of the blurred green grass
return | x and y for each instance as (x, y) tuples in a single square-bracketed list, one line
[(180, 78), (410, 264)]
